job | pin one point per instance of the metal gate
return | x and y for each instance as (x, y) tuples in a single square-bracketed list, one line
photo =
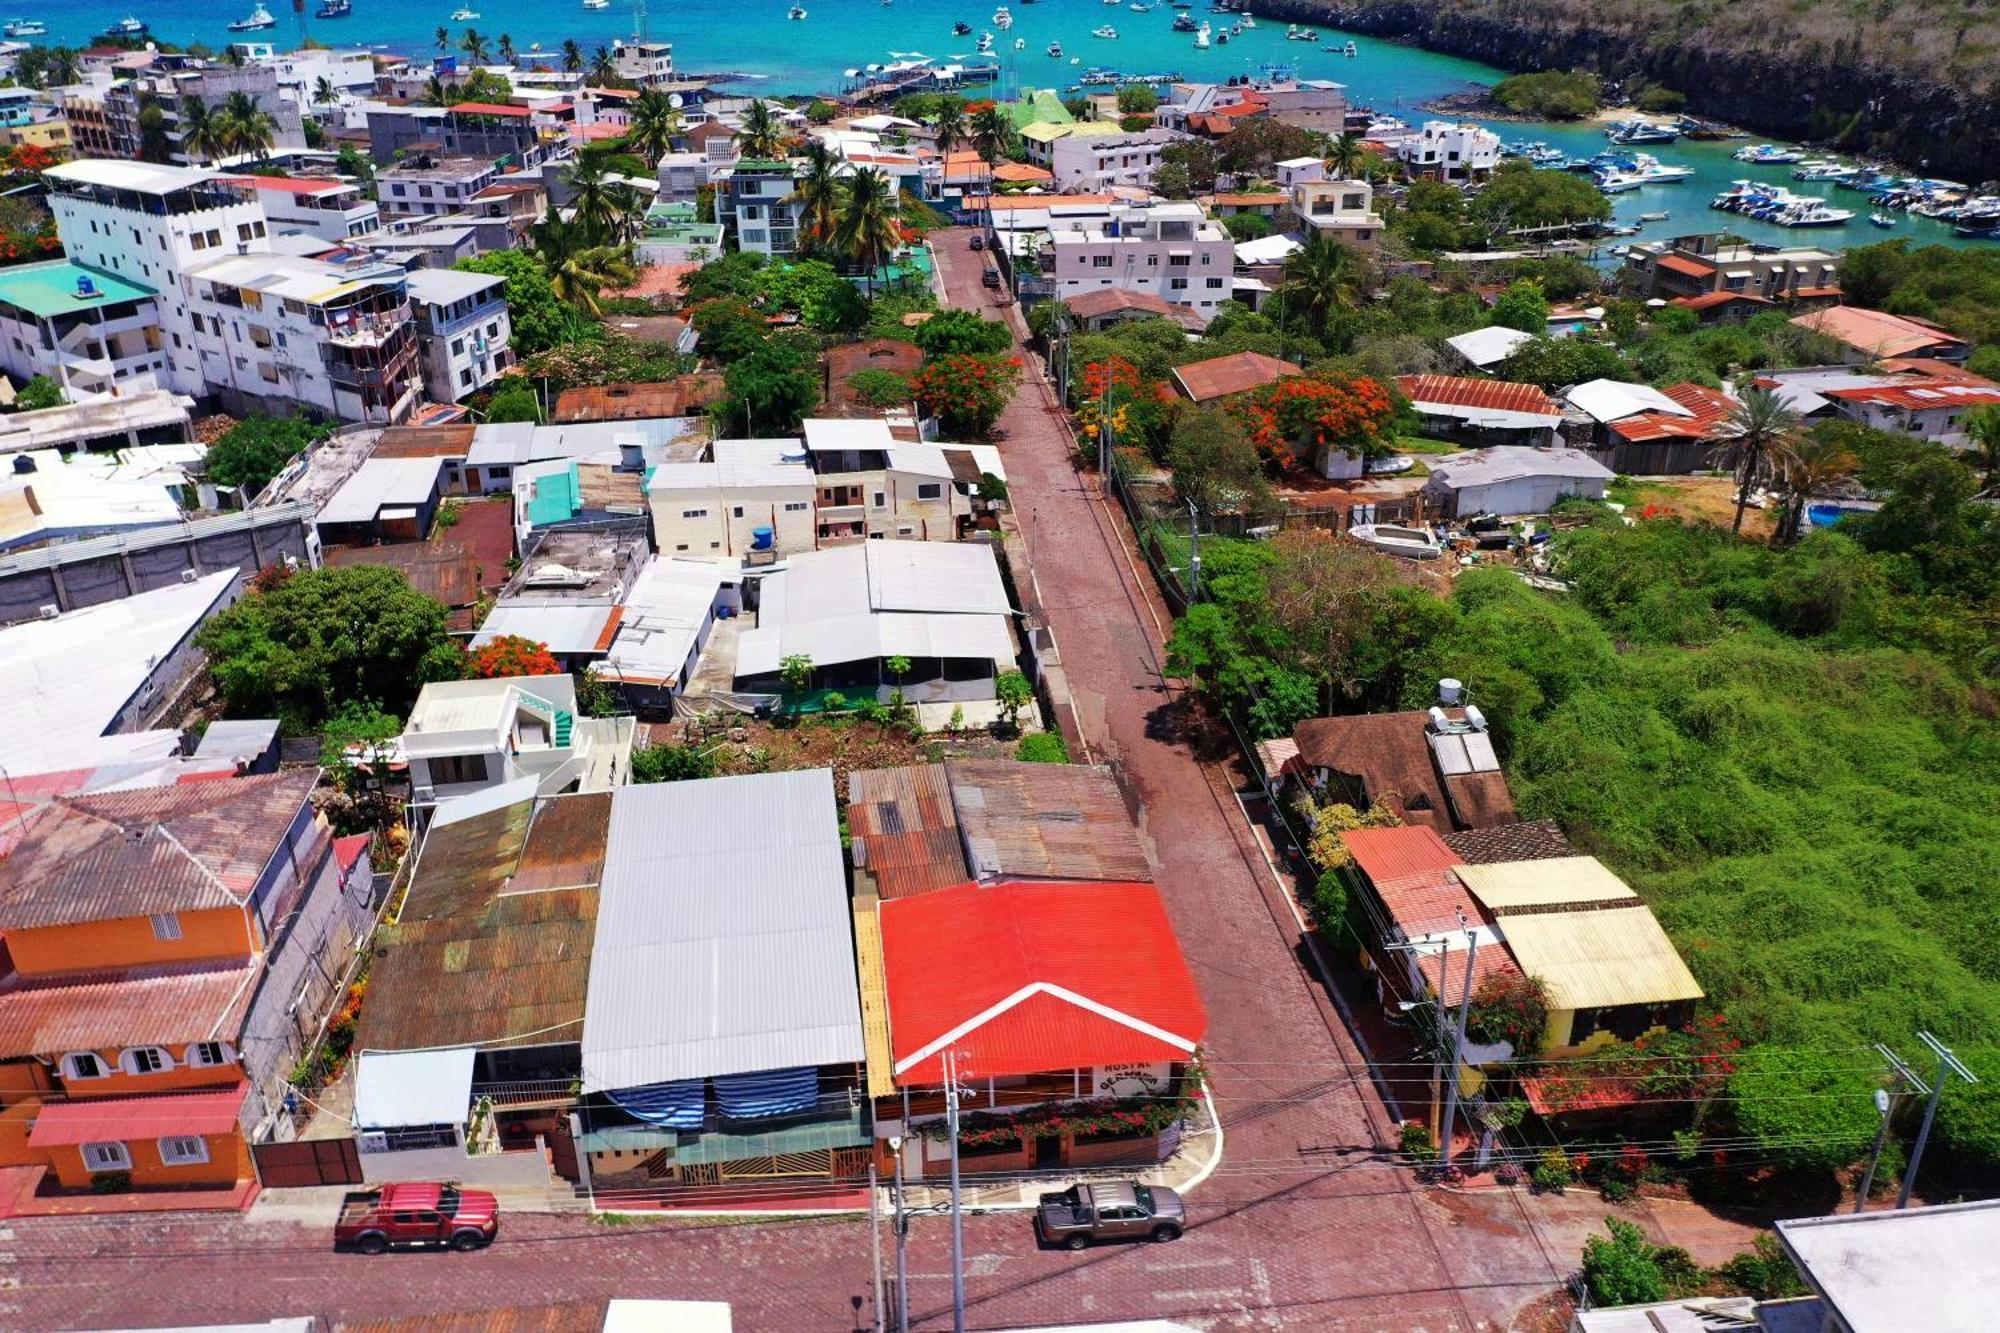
[(307, 1162), (562, 1150)]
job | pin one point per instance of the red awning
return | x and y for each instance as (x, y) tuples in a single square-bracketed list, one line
[(126, 1118)]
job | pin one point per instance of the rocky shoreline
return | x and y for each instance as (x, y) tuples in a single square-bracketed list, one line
[(1934, 128)]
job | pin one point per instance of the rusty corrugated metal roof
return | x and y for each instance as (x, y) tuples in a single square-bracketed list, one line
[(1044, 821), (493, 945), (149, 1006), (180, 848), (903, 832)]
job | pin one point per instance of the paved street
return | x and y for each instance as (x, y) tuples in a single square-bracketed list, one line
[(1302, 1226)]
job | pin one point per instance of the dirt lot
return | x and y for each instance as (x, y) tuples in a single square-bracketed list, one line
[(750, 746), (1705, 499)]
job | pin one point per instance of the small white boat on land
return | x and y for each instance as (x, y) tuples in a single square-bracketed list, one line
[(1410, 543)]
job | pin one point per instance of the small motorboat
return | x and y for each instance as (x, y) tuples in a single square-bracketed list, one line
[(1107, 31), (1020, 43), (258, 19), (1222, 38), (1201, 37), (1249, 21), (796, 13), (1654, 217), (1138, 8), (1884, 220), (1295, 33), (1410, 543), (961, 29), (26, 28), (1003, 19), (1182, 23), (1350, 50), (985, 46), (1055, 50), (464, 14), (127, 27), (340, 9)]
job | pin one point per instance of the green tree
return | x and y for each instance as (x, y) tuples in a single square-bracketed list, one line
[(578, 266), (257, 448), (1760, 424), (795, 671), (1550, 95), (514, 400), (866, 229), (1347, 155), (1807, 1109), (1522, 306), (1520, 196), (1215, 466), (729, 329), (961, 332), (1322, 278), (1622, 1270), (1138, 99), (948, 125), (474, 46), (671, 763), (246, 127), (505, 49), (992, 133), (1012, 692), (735, 273), (540, 319), (1555, 363), (39, 392), (1982, 433), (204, 134), (603, 211), (1246, 226), (762, 134), (320, 639), (818, 195), (773, 388), (572, 56), (1196, 158), (655, 124)]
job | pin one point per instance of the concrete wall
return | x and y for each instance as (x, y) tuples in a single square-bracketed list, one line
[(521, 1170)]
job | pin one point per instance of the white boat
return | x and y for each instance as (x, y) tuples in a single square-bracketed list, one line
[(795, 13), (1651, 171), (985, 44), (464, 14), (27, 28), (1618, 182), (127, 27), (1201, 37), (1812, 213), (1410, 543), (1883, 219), (1294, 33), (1002, 19), (1767, 153), (1020, 43), (597, 4), (1350, 50), (1107, 31), (1137, 8), (1055, 50), (1654, 217), (258, 20), (1249, 21)]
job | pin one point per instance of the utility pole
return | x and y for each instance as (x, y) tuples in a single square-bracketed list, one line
[(902, 1242), (1947, 1064), (1885, 1105), (875, 1247), (1194, 553), (1440, 1015), (1458, 1043), (957, 1215)]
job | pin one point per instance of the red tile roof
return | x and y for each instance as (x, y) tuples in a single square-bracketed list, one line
[(1115, 300), (1553, 1094), (1933, 369), (1222, 376), (1495, 395), (118, 1118), (1249, 198), (1876, 332), (1024, 977), (147, 1006), (288, 184), (1023, 173), (1493, 960), (1391, 853), (1687, 266), (1710, 300), (489, 109), (1933, 397), (1712, 409)]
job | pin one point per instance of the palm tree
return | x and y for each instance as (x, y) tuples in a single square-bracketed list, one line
[(603, 210), (474, 46), (990, 129), (246, 128), (1982, 432), (603, 69), (762, 135), (1322, 278), (572, 56), (154, 145), (506, 49), (436, 93), (818, 195), (443, 38), (324, 93), (203, 133), (578, 270), (866, 229), (949, 125), (655, 122), (1760, 423), (1805, 465), (1344, 157)]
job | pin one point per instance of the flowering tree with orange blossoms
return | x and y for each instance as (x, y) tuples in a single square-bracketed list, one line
[(1112, 392), (1348, 413), (967, 392), (511, 655)]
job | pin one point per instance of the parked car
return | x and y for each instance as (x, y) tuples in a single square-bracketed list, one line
[(978, 241), (414, 1213), (991, 278), (1083, 1214)]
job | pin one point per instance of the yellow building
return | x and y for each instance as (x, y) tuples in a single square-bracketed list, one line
[(51, 133)]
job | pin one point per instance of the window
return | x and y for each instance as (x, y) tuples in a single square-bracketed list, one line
[(694, 513), (1177, 261), (1177, 284), (930, 490), (214, 237), (242, 231), (880, 499), (209, 1054), (1152, 261), (465, 379), (183, 1150), (449, 769), (1214, 283), (1100, 261), (736, 512), (457, 346), (795, 506), (107, 1157), (195, 240), (146, 1060), (166, 926), (83, 1064)]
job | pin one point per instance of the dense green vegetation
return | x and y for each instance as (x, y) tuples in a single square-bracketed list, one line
[(256, 449), (1551, 94), (1956, 287)]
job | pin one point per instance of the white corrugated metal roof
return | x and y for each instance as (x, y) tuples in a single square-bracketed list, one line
[(739, 463), (846, 433), (396, 1089), (723, 940), (382, 483), (559, 625), (1614, 400), (1484, 467), (831, 640), (960, 577), (669, 604)]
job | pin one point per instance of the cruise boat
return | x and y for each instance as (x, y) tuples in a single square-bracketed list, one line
[(1002, 19), (1767, 154), (26, 28), (340, 9), (1201, 36), (258, 20), (1107, 31), (127, 27)]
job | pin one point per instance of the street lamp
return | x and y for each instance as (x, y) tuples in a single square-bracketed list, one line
[(902, 1226), (1883, 1101)]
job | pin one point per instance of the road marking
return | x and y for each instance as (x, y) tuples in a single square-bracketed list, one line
[(1236, 1294)]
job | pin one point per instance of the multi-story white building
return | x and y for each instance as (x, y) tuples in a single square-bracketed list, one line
[(429, 185), (716, 507), (870, 484), (1339, 210), (332, 210), (90, 331), (1169, 249), (643, 63), (462, 320), (754, 198), (1450, 152), (1097, 162)]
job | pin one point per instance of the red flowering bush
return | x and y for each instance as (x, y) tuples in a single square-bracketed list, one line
[(1349, 413), (967, 393), (1113, 393), (511, 655)]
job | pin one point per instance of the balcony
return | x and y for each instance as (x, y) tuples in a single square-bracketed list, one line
[(364, 328), (1035, 1092)]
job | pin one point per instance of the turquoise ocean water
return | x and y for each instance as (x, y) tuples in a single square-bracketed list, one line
[(753, 37)]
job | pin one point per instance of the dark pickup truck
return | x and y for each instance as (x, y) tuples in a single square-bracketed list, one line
[(1082, 1214), (417, 1214)]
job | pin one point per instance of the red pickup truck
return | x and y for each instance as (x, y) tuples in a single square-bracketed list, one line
[(417, 1214)]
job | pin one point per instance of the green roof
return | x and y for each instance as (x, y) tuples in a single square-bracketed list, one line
[(45, 290), (762, 164), (558, 497), (1037, 104), (812, 1137)]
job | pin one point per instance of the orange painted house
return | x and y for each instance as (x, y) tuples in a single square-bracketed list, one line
[(152, 949)]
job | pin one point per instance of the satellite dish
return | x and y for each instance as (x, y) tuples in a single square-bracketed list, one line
[(674, 101)]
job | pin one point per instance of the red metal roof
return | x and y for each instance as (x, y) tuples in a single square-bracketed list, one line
[(1921, 397), (1690, 267), (123, 1118), (1493, 960), (1220, 376), (162, 1005), (1023, 977), (1389, 853), (287, 184), (1460, 391), (1712, 408), (490, 109)]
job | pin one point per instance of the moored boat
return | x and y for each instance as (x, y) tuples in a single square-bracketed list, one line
[(258, 19), (1410, 543), (26, 28)]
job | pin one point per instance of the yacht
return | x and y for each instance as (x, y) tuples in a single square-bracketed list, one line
[(464, 14), (985, 45), (340, 9), (1002, 19), (1651, 171), (1055, 50), (258, 20), (1618, 182), (1812, 213), (1824, 169), (1641, 131), (796, 13), (1654, 217), (1295, 33), (1222, 38), (1768, 154), (127, 27), (1107, 31), (26, 28), (1201, 37)]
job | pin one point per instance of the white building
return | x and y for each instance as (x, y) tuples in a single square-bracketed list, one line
[(1339, 210), (87, 329), (1171, 250), (463, 321), (643, 63), (872, 485), (1310, 104), (717, 507), (430, 185), (1091, 163), (1298, 170), (465, 736), (1450, 152), (334, 211)]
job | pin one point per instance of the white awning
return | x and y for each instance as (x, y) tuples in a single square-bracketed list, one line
[(396, 1089)]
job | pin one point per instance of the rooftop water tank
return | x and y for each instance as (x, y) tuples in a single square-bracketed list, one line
[(761, 539), (1450, 691)]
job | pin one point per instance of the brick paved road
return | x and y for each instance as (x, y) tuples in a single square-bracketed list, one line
[(1299, 1228)]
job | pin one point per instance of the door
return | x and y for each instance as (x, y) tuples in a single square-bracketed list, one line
[(1048, 1151)]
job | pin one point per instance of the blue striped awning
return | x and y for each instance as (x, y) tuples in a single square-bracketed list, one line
[(677, 1105), (768, 1092)]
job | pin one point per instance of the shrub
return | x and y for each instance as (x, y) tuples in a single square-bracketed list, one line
[(1552, 1173), (1623, 1269), (111, 1182), (1509, 1007), (257, 448), (510, 655), (1763, 1271), (961, 332), (1416, 1142), (671, 763), (1550, 94), (1044, 747), (880, 388)]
